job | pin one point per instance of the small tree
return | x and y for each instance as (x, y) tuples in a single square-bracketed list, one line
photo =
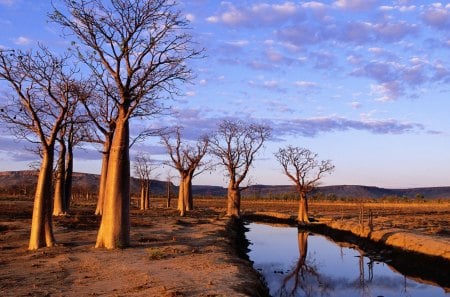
[(143, 168), (303, 168), (186, 159), (235, 145), (44, 92)]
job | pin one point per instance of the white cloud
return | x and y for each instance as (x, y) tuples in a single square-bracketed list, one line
[(238, 43), (190, 17), (388, 91), (355, 105), (354, 4), (212, 19), (256, 14), (271, 84), (305, 84), (314, 5), (8, 2), (22, 40), (190, 93)]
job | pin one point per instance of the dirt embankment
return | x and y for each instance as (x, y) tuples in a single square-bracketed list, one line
[(170, 256), (420, 228), (411, 252)]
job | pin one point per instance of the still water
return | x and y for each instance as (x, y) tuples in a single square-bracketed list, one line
[(299, 263)]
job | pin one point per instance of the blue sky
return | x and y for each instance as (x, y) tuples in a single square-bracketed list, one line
[(364, 83)]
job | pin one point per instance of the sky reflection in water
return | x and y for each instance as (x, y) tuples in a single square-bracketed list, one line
[(305, 264)]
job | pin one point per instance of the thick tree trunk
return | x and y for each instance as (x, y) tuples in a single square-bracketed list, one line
[(59, 196), (182, 193), (147, 195), (103, 176), (41, 222), (114, 229), (303, 209), (234, 201), (188, 198), (69, 177), (168, 194), (142, 199)]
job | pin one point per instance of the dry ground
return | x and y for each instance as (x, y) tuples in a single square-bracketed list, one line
[(170, 256)]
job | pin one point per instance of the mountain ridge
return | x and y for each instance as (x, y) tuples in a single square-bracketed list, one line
[(25, 181)]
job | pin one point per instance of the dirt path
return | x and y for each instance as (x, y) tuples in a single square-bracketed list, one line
[(170, 256)]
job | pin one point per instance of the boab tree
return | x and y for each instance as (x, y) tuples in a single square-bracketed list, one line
[(71, 134), (143, 168), (44, 92), (101, 109), (138, 52), (303, 168), (186, 159), (235, 144)]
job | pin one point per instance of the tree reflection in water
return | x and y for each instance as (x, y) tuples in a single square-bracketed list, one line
[(304, 279)]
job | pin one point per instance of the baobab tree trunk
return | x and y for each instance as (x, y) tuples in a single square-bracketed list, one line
[(41, 222), (168, 192), (147, 194), (68, 178), (188, 198), (142, 200), (59, 196), (182, 193), (303, 209), (114, 229), (234, 201), (103, 176)]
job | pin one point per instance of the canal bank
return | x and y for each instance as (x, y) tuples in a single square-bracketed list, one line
[(421, 257)]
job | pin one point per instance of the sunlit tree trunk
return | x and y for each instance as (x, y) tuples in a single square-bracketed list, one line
[(59, 196), (142, 199), (182, 193), (303, 209), (234, 201), (114, 229), (41, 222), (103, 176), (147, 194), (189, 199)]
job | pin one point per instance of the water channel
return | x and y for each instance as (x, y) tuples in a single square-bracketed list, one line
[(300, 263)]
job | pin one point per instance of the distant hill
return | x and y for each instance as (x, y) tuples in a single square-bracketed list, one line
[(25, 182)]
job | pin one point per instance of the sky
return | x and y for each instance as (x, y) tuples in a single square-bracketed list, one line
[(363, 83)]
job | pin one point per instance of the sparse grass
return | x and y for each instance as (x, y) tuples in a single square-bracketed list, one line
[(155, 254)]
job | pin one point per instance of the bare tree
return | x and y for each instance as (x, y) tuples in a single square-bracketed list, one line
[(43, 94), (102, 111), (168, 188), (71, 134), (143, 168), (236, 144), (303, 168), (186, 159), (138, 52)]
